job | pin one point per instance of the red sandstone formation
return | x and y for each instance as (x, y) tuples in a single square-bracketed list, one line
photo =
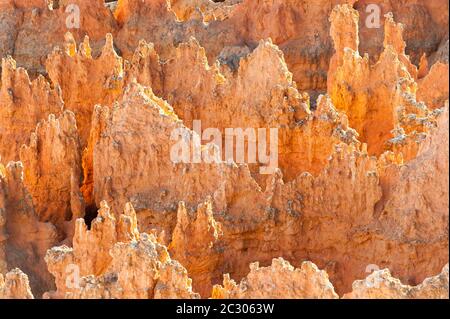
[(279, 281), (15, 286), (85, 81), (24, 103), (25, 239), (97, 207), (31, 29), (112, 260), (380, 284), (433, 88), (56, 194), (300, 29)]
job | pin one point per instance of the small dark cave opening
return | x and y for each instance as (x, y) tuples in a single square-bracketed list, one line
[(91, 213)]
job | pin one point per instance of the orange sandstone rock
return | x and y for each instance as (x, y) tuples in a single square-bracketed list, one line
[(15, 285), (381, 284), (52, 171), (205, 9), (433, 88), (195, 244), (23, 103), (33, 28), (24, 238), (386, 102), (299, 28), (282, 281), (85, 81), (279, 281), (203, 92), (112, 260), (363, 170)]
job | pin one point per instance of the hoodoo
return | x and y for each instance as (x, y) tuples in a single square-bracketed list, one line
[(236, 149)]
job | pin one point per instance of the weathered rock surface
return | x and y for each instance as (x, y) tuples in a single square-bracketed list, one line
[(386, 102), (52, 171), (433, 88), (195, 244), (299, 28), (112, 260), (380, 284), (85, 81), (279, 281), (359, 179), (31, 29), (23, 103), (15, 285), (282, 281), (25, 239), (305, 139)]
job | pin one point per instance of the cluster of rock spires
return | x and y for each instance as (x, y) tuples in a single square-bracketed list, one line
[(91, 206)]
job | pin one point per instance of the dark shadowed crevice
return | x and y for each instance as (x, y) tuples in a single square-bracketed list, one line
[(90, 215)]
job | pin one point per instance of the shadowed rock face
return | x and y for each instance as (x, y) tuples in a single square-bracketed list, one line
[(98, 208)]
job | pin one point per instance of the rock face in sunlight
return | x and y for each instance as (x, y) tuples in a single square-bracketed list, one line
[(15, 285), (157, 149), (279, 281), (112, 260), (299, 28), (23, 104), (381, 284)]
